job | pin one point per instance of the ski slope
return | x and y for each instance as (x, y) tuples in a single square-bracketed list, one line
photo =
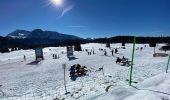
[(21, 81)]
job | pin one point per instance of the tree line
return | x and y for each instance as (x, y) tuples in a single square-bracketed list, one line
[(129, 39), (17, 44)]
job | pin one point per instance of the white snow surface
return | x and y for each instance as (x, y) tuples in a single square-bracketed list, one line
[(21, 81), (154, 88)]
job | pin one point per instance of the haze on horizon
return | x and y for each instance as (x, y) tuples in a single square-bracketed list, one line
[(87, 18)]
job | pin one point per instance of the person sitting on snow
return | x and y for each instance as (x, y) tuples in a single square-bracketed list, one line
[(123, 58), (118, 60), (78, 66), (84, 70)]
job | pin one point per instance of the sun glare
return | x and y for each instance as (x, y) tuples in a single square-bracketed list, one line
[(57, 2)]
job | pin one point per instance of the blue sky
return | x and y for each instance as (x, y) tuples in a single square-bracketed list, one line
[(88, 18)]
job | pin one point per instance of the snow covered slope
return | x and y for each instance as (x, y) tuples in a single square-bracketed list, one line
[(154, 88), (19, 80)]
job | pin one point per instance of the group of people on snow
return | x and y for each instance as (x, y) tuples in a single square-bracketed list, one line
[(89, 52), (124, 61), (112, 51), (55, 56), (77, 71), (141, 48), (119, 60)]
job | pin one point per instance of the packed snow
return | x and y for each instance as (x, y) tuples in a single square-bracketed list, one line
[(20, 80), (154, 88)]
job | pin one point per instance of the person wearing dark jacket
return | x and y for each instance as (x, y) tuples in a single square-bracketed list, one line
[(112, 52), (73, 75)]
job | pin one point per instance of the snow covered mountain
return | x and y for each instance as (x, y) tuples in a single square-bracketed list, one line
[(40, 37), (40, 34), (19, 34)]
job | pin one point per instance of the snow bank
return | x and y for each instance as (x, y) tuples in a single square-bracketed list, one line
[(153, 81), (154, 88)]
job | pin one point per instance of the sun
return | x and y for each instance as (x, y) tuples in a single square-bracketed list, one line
[(57, 2)]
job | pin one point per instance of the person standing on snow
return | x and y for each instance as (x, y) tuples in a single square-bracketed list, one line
[(24, 58), (116, 50), (141, 48), (105, 52), (112, 52), (73, 75)]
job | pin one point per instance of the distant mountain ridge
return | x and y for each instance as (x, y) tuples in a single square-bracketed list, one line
[(38, 37), (40, 34), (18, 34)]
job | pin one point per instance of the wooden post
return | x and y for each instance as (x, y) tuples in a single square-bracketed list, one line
[(167, 64), (131, 68), (64, 67)]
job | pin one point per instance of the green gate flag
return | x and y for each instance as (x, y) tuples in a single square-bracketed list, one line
[(131, 68), (167, 64)]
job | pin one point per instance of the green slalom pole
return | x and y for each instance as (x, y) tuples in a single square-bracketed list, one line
[(131, 68), (167, 64)]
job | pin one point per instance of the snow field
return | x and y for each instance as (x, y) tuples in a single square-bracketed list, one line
[(45, 81)]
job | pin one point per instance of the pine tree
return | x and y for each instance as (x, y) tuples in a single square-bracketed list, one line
[(4, 50)]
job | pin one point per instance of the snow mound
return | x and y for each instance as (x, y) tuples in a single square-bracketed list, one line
[(154, 88), (117, 93), (153, 81)]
